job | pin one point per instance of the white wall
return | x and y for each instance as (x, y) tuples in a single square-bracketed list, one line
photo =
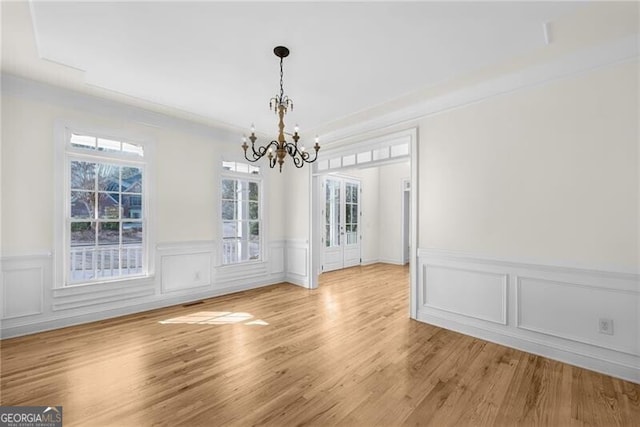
[(294, 210), (528, 219), (391, 195), (548, 173), (185, 201)]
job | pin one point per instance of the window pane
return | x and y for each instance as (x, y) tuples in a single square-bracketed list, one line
[(230, 166), (381, 153), (242, 167), (131, 233), (109, 205), (131, 180), (254, 249), (108, 261), (228, 189), (254, 230), (253, 191), (109, 233), (108, 177), (83, 141), (229, 209), (82, 204), (108, 145), (81, 264), (253, 210), (364, 157), (131, 206), (327, 236), (83, 175), (229, 229), (83, 234), (240, 214), (132, 149), (131, 256), (254, 170), (348, 213), (230, 251)]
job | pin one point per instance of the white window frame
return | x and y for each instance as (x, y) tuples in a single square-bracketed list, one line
[(64, 154), (258, 178)]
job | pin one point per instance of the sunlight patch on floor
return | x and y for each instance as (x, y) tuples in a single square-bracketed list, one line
[(215, 318)]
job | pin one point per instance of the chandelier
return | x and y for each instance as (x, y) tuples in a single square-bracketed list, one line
[(277, 150)]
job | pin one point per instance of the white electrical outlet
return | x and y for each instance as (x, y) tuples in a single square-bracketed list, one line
[(605, 326)]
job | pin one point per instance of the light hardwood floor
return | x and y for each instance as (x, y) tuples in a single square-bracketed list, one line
[(345, 354)]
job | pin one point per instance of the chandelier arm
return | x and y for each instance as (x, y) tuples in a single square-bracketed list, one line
[(261, 152), (304, 156)]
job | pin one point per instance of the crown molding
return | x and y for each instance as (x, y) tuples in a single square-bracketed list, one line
[(582, 61), (13, 85)]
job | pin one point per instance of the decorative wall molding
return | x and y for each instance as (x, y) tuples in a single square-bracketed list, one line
[(605, 271), (590, 300), (186, 272), (17, 281), (277, 258), (550, 310), (296, 262), (581, 61), (477, 294)]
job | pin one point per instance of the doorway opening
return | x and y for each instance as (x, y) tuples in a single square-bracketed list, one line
[(385, 167)]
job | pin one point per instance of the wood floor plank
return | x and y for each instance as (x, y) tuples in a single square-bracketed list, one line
[(344, 354)]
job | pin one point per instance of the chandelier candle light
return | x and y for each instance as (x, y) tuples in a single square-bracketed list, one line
[(280, 104)]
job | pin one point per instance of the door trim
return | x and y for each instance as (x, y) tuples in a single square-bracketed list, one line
[(352, 145)]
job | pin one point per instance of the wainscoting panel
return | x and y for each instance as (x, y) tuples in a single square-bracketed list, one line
[(550, 310), (297, 254), (276, 258), (22, 292), (472, 293), (186, 271), (572, 311)]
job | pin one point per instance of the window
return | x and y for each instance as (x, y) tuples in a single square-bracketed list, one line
[(105, 230), (241, 208)]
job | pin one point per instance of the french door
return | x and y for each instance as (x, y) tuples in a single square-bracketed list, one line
[(341, 232)]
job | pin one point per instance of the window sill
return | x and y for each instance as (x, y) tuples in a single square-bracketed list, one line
[(133, 280), (244, 264)]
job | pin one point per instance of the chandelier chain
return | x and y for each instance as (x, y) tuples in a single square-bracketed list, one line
[(281, 84)]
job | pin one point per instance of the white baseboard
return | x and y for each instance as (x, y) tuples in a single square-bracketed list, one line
[(186, 271), (394, 261), (550, 310), (594, 363), (63, 322)]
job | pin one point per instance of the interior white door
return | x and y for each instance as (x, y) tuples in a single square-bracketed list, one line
[(341, 223)]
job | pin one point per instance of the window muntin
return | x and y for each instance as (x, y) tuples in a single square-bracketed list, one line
[(105, 228), (241, 213)]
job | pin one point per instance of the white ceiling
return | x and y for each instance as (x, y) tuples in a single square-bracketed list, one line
[(216, 59)]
